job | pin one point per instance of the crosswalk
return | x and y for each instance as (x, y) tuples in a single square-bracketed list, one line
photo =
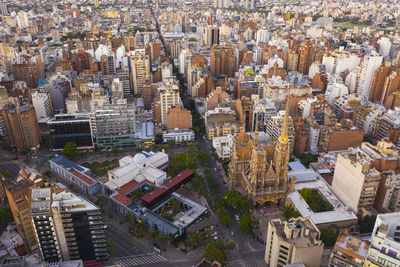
[(137, 260)]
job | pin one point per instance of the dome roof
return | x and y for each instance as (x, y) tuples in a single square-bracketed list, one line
[(139, 158)]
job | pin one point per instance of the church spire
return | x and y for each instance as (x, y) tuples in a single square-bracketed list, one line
[(256, 133), (285, 126)]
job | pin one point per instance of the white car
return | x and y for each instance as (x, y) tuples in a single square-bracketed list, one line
[(237, 217)]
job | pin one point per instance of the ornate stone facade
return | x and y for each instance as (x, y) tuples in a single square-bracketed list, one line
[(259, 168)]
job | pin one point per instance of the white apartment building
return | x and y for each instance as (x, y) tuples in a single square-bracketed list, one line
[(385, 241), (368, 67), (340, 61), (41, 101), (355, 181), (169, 96), (223, 146)]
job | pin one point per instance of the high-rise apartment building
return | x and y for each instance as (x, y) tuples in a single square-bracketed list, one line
[(385, 159), (4, 9), (294, 241), (139, 69), (179, 118), (22, 125), (222, 3), (29, 70), (41, 101), (306, 56), (387, 126), (67, 226), (211, 36), (168, 96), (356, 181), (383, 83), (18, 198), (22, 19), (367, 69), (114, 125), (222, 61)]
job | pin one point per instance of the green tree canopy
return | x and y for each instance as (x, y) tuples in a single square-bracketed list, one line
[(289, 212), (216, 251), (366, 224), (70, 150), (110, 247), (328, 236), (315, 201), (5, 216), (204, 157), (237, 201), (245, 223), (6, 173)]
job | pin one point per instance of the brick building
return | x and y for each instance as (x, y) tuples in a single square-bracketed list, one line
[(179, 118)]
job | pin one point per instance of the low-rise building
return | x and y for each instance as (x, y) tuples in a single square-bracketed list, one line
[(385, 241), (75, 174), (293, 241), (349, 251), (336, 219), (178, 135), (143, 166), (223, 146)]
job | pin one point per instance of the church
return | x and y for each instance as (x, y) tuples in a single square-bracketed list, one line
[(259, 167)]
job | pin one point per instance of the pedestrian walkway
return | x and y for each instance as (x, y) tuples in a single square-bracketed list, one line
[(139, 260)]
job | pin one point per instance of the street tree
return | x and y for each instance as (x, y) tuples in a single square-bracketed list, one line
[(70, 150), (110, 247), (245, 223)]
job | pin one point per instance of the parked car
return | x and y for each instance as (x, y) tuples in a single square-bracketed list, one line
[(16, 158), (237, 217)]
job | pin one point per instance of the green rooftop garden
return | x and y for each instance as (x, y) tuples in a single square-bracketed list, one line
[(249, 71), (315, 201)]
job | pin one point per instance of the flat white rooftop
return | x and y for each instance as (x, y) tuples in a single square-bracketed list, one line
[(339, 212)]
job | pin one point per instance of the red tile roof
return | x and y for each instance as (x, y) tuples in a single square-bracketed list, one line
[(123, 200), (127, 187), (85, 178), (149, 197), (178, 179)]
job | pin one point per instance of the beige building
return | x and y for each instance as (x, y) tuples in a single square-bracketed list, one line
[(356, 181), (293, 241), (18, 198), (139, 69), (168, 96)]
